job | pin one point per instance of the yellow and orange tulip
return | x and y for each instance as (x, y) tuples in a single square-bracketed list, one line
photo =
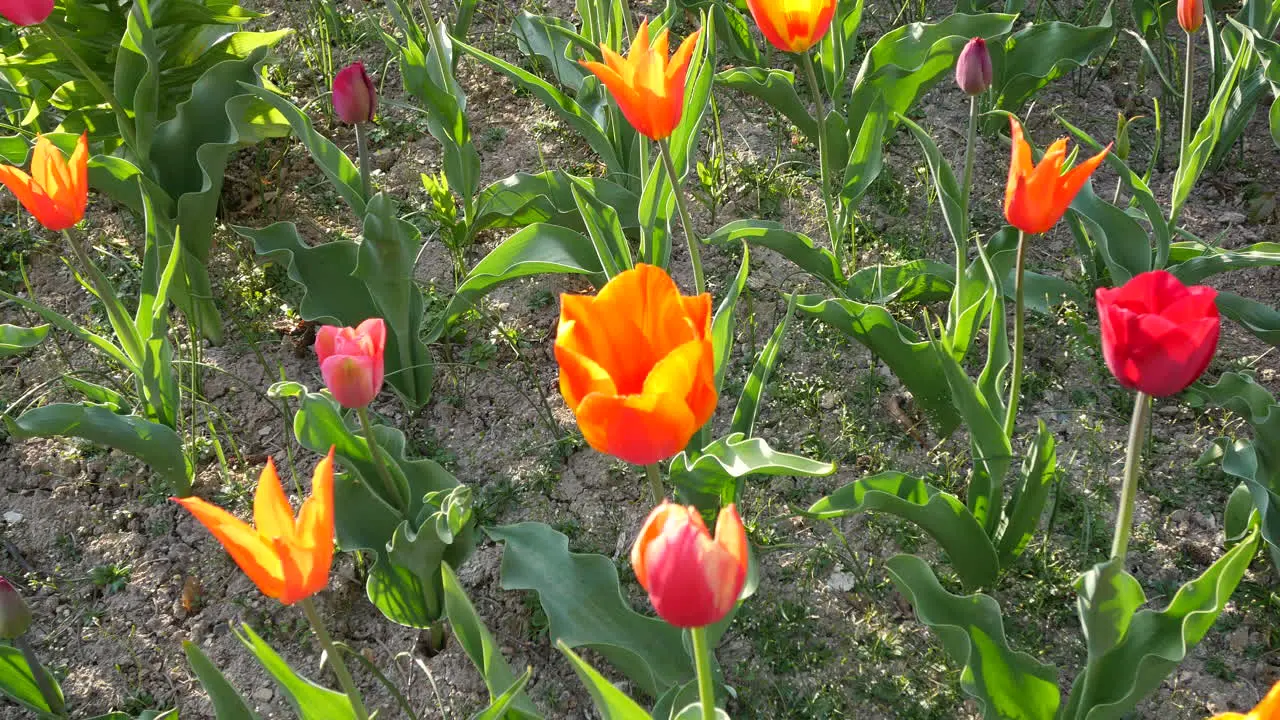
[(1268, 709), (648, 88), (636, 365), (793, 25), (57, 191), (693, 580), (287, 559), (1037, 195)]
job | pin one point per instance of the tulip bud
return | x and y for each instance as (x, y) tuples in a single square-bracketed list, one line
[(26, 12), (351, 361), (354, 97), (1190, 14), (973, 67), (15, 616), (693, 580)]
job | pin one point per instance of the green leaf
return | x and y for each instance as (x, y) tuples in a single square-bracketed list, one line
[(156, 445), (605, 232), (499, 707), (1022, 514), (551, 39), (1030, 59), (1263, 321), (798, 248), (748, 408), (937, 513), (1108, 598), (1008, 685), (18, 683), (1123, 243), (612, 703), (1195, 261), (712, 477), (1206, 137), (722, 326), (309, 700), (331, 294), (15, 339), (694, 712), (585, 607), (523, 199), (777, 89), (228, 703)]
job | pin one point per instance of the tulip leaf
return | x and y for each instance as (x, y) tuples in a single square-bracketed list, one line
[(794, 246), (938, 513), (18, 682), (647, 650), (1123, 243), (697, 97), (1135, 652), (15, 339), (605, 232), (712, 477), (547, 197), (228, 703), (309, 700), (725, 320), (500, 707), (610, 702), (1022, 513), (154, 444), (748, 408), (1263, 321), (777, 89), (1030, 59), (1192, 262), (694, 712), (1206, 136), (550, 39)]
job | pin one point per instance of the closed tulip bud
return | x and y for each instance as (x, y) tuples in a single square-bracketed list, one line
[(973, 67), (26, 12), (351, 361), (1190, 14), (354, 97), (693, 580), (15, 616)]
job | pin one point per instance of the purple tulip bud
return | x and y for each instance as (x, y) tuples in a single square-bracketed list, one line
[(354, 97), (973, 67), (15, 616)]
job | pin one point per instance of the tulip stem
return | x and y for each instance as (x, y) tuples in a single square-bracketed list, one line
[(655, 483), (1132, 462), (124, 328), (706, 683), (362, 149), (335, 659), (824, 169), (122, 117), (47, 691), (962, 242), (695, 254), (384, 474), (1019, 307), (1187, 92)]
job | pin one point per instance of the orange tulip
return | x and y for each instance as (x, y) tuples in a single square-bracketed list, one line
[(649, 89), (793, 25), (56, 192), (692, 579), (1190, 14), (636, 365), (287, 559), (1038, 195), (1268, 709)]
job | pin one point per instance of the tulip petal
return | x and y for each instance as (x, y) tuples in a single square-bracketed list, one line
[(255, 556), (350, 379), (639, 429), (580, 375), (326, 339), (314, 537), (653, 527), (272, 515)]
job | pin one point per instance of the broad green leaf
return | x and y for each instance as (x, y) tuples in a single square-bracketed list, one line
[(612, 703), (697, 97), (1192, 262), (1122, 241), (551, 40), (798, 248), (1008, 685), (499, 707), (748, 407), (1022, 514), (1107, 599), (18, 683), (65, 324), (228, 703), (1205, 138), (777, 88), (331, 293), (547, 197), (1030, 59), (937, 513), (1263, 321), (309, 700), (585, 608), (605, 232), (15, 339), (712, 476)]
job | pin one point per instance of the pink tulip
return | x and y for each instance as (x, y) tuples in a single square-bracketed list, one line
[(351, 361), (26, 12), (693, 579), (973, 67), (354, 97)]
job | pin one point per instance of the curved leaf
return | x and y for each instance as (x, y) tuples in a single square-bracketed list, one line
[(309, 700), (612, 703), (15, 339), (778, 89), (228, 703), (331, 293), (711, 478), (1039, 471), (18, 683), (794, 246)]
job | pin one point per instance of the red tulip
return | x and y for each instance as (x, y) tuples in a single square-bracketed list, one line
[(692, 579), (1190, 14), (351, 361), (26, 12), (973, 67), (354, 97), (1158, 335)]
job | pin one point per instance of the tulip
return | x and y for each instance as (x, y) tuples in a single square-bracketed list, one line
[(1268, 709), (1036, 196), (973, 67), (793, 25), (15, 616), (351, 361), (1190, 14), (692, 580), (648, 88), (354, 97), (287, 559), (637, 365), (57, 191), (1158, 335), (26, 12)]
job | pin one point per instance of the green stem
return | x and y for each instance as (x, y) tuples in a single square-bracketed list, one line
[(47, 690), (655, 483), (124, 328), (695, 254), (335, 659), (393, 490), (819, 112), (706, 683), (1188, 76), (1019, 307), (362, 148), (122, 117), (1132, 467), (962, 242)]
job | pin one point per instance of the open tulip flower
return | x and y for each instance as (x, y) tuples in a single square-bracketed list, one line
[(793, 25), (57, 190), (1036, 196), (1158, 335), (351, 361), (637, 365), (1268, 709), (648, 88), (287, 559), (26, 12), (693, 580)]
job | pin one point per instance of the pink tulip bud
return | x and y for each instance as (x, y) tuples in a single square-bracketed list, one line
[(354, 97), (15, 616), (693, 579), (351, 361), (973, 67), (26, 12)]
